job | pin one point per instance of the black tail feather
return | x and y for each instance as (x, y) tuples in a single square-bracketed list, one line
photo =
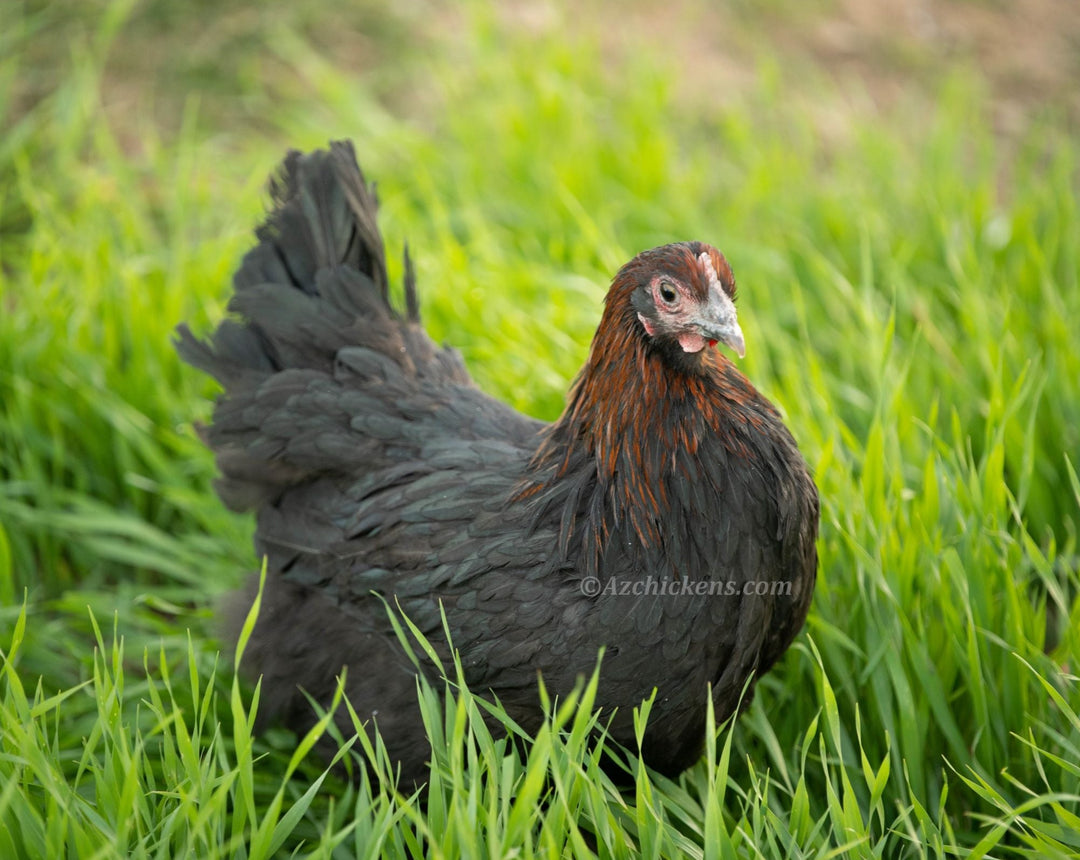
[(315, 283), (324, 215), (412, 300), (314, 352)]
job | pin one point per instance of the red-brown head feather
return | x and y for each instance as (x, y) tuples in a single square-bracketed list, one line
[(644, 400)]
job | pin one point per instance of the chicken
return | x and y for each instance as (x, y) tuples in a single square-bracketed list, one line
[(667, 516)]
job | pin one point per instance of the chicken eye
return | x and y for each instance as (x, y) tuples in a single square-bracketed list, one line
[(667, 292)]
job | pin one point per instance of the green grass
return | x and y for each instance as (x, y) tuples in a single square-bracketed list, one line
[(909, 297)]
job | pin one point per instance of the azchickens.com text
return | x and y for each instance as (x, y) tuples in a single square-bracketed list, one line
[(652, 586)]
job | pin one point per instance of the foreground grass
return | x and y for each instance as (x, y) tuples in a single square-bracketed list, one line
[(908, 298)]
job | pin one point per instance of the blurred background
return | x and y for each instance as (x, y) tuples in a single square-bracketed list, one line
[(839, 59)]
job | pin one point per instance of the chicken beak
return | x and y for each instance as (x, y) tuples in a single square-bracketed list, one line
[(719, 322), (733, 337)]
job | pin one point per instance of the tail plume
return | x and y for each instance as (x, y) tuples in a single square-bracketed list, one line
[(316, 281), (312, 344)]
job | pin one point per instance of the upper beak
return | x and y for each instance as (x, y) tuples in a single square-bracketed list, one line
[(733, 337), (719, 322)]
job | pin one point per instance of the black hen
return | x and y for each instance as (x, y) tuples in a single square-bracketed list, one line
[(374, 464)]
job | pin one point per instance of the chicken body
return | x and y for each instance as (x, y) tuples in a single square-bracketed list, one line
[(374, 465)]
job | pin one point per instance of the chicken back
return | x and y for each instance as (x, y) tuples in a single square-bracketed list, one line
[(667, 516)]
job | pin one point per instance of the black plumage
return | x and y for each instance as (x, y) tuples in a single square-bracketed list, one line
[(374, 465)]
